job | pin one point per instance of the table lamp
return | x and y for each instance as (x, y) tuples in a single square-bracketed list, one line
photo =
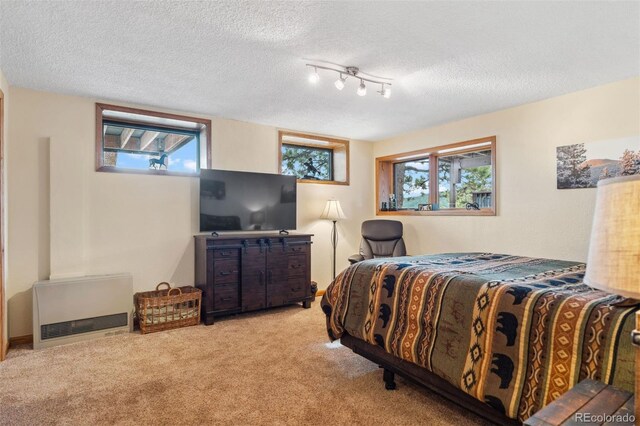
[(613, 264), (332, 211)]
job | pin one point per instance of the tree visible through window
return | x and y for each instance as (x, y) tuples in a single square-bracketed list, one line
[(471, 182), (412, 183), (307, 162), (459, 176), (313, 158)]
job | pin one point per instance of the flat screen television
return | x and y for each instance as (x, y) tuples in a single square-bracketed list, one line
[(246, 201)]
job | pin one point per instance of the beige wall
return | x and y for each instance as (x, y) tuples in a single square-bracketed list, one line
[(136, 223), (143, 224), (534, 218), (4, 86)]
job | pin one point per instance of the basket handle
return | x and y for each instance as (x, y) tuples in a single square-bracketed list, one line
[(164, 282), (175, 288)]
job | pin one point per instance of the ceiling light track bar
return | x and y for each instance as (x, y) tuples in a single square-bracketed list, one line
[(350, 72), (330, 64)]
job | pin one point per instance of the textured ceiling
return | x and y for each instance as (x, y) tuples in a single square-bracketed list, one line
[(243, 60)]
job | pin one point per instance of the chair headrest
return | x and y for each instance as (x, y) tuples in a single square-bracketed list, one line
[(381, 230)]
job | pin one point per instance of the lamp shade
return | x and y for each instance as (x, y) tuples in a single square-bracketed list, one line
[(614, 251), (332, 211), (257, 218)]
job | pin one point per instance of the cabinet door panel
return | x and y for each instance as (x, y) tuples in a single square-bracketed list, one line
[(277, 289), (277, 277), (254, 279)]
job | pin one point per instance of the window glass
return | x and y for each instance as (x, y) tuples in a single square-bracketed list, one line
[(150, 142), (411, 183), (454, 179), (465, 180), (150, 148), (306, 162)]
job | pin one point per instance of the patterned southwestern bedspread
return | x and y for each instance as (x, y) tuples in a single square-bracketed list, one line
[(514, 332)]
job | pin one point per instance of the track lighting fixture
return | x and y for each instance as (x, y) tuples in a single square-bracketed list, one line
[(346, 72), (314, 77), (385, 91)]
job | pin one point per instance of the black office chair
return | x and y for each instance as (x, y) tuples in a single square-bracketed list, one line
[(380, 238)]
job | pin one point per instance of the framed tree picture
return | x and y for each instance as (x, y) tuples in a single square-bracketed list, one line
[(582, 165)]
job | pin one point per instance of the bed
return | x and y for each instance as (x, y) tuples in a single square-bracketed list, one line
[(511, 332)]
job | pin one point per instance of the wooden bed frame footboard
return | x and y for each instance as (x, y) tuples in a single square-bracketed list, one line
[(421, 376)]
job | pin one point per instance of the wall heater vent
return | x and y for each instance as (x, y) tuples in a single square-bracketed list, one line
[(69, 310), (86, 325)]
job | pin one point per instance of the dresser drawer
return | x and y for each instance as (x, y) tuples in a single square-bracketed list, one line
[(226, 254), (226, 271), (226, 286), (298, 249), (225, 296), (298, 288), (297, 266)]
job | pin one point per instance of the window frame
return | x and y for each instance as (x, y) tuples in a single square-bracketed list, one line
[(385, 177), (203, 125), (324, 143)]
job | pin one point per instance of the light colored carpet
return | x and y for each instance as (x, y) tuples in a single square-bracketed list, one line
[(272, 367)]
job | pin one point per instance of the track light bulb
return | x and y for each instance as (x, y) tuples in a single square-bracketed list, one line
[(340, 82), (386, 92), (314, 77), (362, 89)]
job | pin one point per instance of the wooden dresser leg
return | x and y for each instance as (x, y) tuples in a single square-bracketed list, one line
[(388, 377), (306, 304)]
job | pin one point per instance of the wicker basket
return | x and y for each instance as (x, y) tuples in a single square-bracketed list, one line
[(168, 308)]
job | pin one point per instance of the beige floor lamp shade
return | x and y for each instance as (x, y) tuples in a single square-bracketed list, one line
[(332, 211), (614, 252)]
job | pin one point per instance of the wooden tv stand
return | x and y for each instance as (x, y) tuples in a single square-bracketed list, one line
[(241, 272)]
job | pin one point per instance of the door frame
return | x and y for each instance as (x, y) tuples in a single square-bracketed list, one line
[(4, 344)]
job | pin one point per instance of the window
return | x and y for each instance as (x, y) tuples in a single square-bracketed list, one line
[(456, 179), (465, 179), (314, 159), (138, 141), (411, 183), (307, 162)]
